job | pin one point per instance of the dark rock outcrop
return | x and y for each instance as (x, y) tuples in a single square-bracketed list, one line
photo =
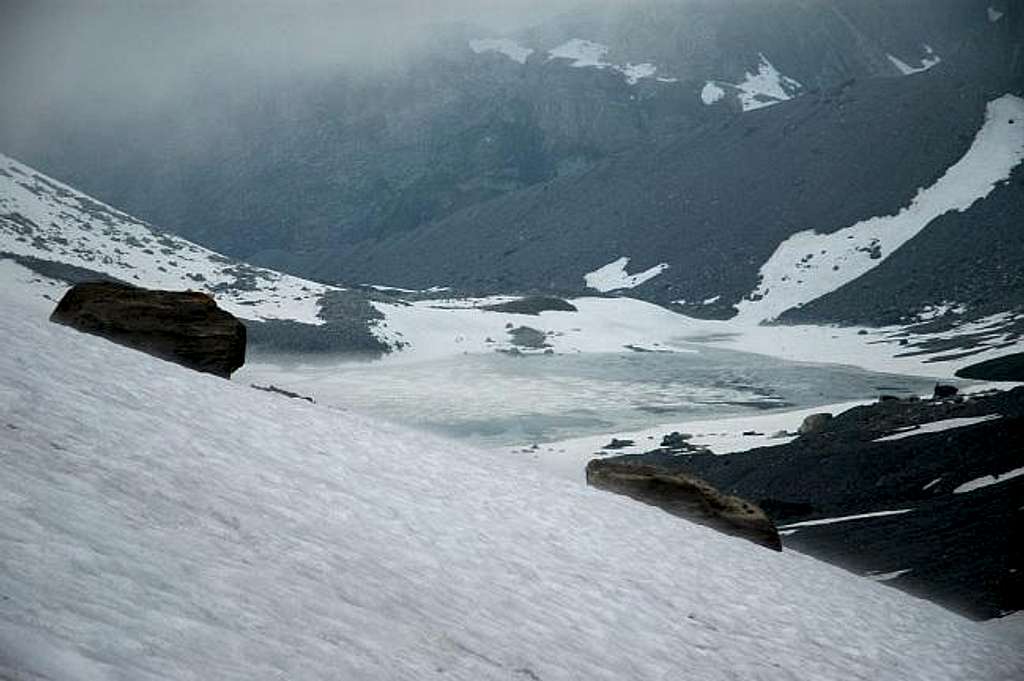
[(685, 496), (532, 305), (184, 327), (1006, 368), (814, 423), (943, 391)]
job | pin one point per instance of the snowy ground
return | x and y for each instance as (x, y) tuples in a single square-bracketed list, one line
[(160, 523)]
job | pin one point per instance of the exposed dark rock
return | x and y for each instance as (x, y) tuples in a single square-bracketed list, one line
[(1006, 368), (184, 327), (814, 423), (685, 496), (281, 391), (616, 443), (943, 391), (676, 439), (962, 550), (533, 305), (527, 337)]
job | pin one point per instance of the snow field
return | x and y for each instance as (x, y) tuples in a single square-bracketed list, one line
[(161, 523)]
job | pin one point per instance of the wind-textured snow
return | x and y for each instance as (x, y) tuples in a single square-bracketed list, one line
[(928, 61), (808, 265), (161, 523), (46, 219), (587, 53), (613, 277), (505, 46), (938, 427), (989, 480)]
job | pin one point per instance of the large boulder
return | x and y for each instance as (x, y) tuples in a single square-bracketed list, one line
[(185, 327), (815, 423), (685, 496)]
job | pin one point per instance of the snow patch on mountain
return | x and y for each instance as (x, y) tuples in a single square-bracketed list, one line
[(765, 87), (613, 277), (989, 480), (994, 15), (505, 46), (160, 523), (587, 53), (711, 93), (928, 61), (808, 265), (937, 427), (46, 219)]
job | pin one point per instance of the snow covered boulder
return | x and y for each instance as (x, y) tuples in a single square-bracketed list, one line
[(685, 496), (184, 327)]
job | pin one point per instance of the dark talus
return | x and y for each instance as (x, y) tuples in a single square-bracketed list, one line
[(959, 545), (184, 327), (685, 496)]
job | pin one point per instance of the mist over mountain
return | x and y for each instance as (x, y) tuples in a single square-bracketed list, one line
[(350, 143)]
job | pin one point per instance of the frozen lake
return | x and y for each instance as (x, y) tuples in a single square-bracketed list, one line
[(498, 399)]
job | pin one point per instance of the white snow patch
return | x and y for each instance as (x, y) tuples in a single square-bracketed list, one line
[(988, 480), (47, 219), (843, 519), (931, 484), (635, 72), (766, 87), (163, 523), (711, 93), (712, 300), (938, 427), (613, 277), (505, 46), (888, 576), (994, 15), (928, 61), (808, 265), (581, 53), (944, 308), (587, 53)]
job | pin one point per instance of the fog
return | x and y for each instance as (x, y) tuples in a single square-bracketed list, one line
[(106, 59)]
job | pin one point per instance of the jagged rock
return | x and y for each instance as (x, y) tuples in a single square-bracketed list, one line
[(685, 496), (616, 443), (945, 391), (814, 423), (184, 327), (676, 440)]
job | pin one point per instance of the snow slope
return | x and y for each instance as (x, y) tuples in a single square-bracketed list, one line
[(160, 523), (808, 265), (46, 219), (505, 46)]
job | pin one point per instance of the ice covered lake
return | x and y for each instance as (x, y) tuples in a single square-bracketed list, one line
[(499, 399)]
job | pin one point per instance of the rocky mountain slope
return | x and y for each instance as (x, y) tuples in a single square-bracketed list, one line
[(307, 168)]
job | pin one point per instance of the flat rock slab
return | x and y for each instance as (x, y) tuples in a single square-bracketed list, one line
[(184, 327)]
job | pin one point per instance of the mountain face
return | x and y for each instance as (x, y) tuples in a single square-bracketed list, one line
[(314, 175)]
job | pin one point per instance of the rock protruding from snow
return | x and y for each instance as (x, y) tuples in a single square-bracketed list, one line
[(815, 423), (685, 496), (808, 265), (184, 327), (613, 277)]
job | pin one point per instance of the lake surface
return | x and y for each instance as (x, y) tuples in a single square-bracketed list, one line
[(499, 400)]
